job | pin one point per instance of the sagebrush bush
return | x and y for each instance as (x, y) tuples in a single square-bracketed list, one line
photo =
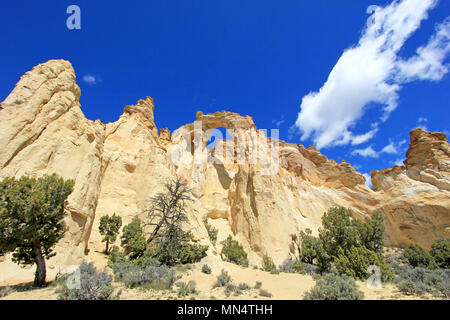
[(186, 289), (419, 257), (144, 273), (234, 252), (93, 285), (258, 285), (335, 287), (243, 286), (420, 281), (4, 291), (222, 279), (286, 266), (231, 288), (265, 293), (267, 264), (356, 261), (206, 269)]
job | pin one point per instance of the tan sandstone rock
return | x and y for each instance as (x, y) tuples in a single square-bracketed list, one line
[(118, 166)]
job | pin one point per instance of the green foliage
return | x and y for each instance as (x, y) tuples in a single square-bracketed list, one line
[(133, 239), (115, 256), (311, 247), (345, 242), (222, 279), (145, 273), (109, 229), (170, 243), (371, 232), (268, 264), (186, 289), (356, 261), (440, 251), (335, 287), (212, 232), (32, 219), (339, 231), (93, 285), (180, 249), (206, 269), (234, 252), (419, 257)]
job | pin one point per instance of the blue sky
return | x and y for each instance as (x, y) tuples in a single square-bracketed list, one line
[(260, 58)]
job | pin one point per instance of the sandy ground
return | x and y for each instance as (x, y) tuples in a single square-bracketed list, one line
[(283, 286)]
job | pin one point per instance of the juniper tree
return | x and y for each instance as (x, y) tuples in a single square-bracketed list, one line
[(32, 219), (109, 228)]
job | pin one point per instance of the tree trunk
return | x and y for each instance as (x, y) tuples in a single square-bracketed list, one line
[(107, 245), (39, 277)]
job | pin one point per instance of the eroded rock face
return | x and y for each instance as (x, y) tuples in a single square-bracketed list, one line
[(118, 166), (416, 197)]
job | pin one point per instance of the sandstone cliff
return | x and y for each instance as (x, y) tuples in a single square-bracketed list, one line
[(118, 166)]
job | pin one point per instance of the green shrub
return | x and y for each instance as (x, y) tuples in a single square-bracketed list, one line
[(371, 232), (133, 239), (310, 246), (419, 257), (206, 269), (109, 228), (243, 286), (335, 287), (93, 285), (356, 261), (258, 285), (212, 232), (407, 287), (339, 231), (440, 251), (145, 273), (268, 264), (222, 279), (180, 250), (234, 252), (231, 288), (115, 256), (265, 293), (186, 289)]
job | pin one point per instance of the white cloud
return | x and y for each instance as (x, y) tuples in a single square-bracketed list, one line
[(90, 79), (391, 148), (278, 123), (372, 72), (421, 123), (367, 152), (368, 179), (427, 63)]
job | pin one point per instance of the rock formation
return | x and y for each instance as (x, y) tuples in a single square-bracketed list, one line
[(118, 166)]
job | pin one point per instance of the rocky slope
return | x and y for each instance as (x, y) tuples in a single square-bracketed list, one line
[(118, 166)]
